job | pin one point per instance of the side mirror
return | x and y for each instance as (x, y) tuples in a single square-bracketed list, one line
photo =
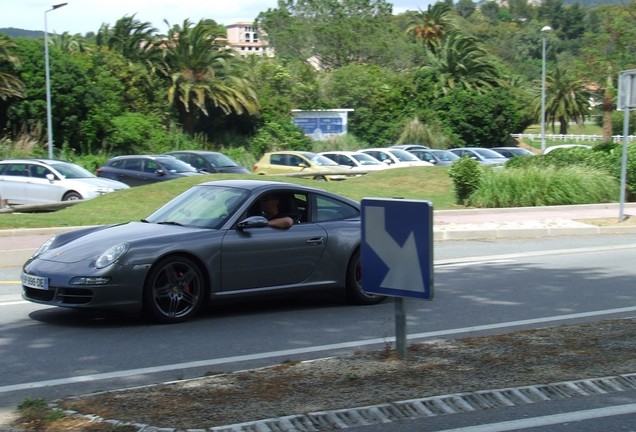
[(302, 165), (160, 172), (252, 222)]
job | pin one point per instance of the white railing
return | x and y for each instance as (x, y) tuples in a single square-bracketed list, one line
[(571, 137)]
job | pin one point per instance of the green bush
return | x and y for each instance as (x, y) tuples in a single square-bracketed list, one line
[(466, 174), (605, 157), (542, 186)]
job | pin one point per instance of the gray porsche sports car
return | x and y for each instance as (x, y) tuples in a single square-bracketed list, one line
[(211, 241)]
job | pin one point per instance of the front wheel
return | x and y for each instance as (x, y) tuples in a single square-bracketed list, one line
[(354, 292), (174, 290), (72, 196)]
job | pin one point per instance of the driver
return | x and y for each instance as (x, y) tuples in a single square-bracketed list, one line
[(270, 206)]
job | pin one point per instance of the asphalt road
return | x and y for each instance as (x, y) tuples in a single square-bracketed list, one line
[(481, 286)]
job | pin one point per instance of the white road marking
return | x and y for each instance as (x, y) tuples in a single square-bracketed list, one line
[(554, 419), (296, 351)]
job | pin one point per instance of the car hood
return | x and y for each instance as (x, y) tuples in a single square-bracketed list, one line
[(233, 170), (100, 182), (94, 242), (188, 173)]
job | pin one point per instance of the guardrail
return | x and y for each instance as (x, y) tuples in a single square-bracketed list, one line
[(572, 137)]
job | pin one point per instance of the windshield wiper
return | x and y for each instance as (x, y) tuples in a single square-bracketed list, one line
[(170, 223)]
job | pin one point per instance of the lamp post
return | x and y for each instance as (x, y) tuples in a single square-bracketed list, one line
[(49, 120), (543, 36)]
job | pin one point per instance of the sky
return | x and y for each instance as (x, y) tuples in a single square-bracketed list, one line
[(83, 16)]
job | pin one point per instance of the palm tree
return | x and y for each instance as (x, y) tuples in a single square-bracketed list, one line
[(568, 99), (203, 71), (430, 27), (10, 85), (133, 39), (69, 44), (461, 63)]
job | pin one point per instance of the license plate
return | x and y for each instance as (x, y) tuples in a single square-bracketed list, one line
[(36, 282)]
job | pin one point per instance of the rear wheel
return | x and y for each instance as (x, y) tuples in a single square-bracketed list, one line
[(354, 292), (174, 290)]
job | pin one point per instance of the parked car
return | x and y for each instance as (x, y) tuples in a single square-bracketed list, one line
[(395, 158), (316, 166), (510, 152), (139, 170), (482, 155), (409, 147), (355, 161), (33, 181), (209, 242), (209, 161), (434, 156), (566, 146)]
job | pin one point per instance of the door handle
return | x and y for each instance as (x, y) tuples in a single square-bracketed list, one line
[(316, 240)]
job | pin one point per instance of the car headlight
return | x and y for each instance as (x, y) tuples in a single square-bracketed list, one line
[(45, 246), (111, 255)]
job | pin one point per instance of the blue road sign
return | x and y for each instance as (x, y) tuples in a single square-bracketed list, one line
[(397, 247)]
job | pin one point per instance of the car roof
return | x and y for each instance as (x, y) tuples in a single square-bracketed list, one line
[(199, 152), (31, 160), (342, 152), (255, 185), (150, 157)]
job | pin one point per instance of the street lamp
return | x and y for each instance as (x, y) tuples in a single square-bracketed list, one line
[(543, 36), (49, 120)]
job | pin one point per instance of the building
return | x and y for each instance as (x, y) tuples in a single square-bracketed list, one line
[(246, 39)]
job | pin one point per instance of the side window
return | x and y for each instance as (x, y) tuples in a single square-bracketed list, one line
[(150, 166), (132, 164), (328, 209), (343, 160), (277, 159), (38, 171), (18, 170), (295, 161), (301, 207)]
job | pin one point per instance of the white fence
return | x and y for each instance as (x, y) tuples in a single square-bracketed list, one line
[(571, 137)]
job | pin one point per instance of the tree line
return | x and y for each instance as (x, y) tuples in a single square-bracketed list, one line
[(451, 75)]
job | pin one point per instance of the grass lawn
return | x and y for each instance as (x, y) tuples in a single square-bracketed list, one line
[(431, 184)]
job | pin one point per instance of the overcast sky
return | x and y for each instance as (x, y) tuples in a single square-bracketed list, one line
[(82, 16)]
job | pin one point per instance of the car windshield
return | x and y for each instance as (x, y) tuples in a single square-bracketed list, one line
[(488, 154), (176, 166), (404, 156), (365, 159), (219, 160), (319, 160), (71, 171), (445, 156), (200, 206)]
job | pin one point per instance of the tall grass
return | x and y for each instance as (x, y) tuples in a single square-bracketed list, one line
[(533, 186)]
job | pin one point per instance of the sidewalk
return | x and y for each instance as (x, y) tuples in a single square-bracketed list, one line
[(17, 245)]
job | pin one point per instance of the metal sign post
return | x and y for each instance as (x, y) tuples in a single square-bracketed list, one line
[(397, 254), (626, 101)]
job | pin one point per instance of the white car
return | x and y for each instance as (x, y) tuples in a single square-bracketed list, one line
[(355, 161), (566, 146), (395, 158), (38, 181)]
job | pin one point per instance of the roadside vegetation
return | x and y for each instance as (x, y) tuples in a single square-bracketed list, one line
[(570, 176)]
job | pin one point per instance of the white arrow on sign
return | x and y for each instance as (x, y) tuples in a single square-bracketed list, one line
[(403, 262)]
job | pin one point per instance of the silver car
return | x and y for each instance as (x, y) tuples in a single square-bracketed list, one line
[(32, 181), (210, 242)]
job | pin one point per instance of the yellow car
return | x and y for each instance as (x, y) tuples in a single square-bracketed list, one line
[(297, 163)]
